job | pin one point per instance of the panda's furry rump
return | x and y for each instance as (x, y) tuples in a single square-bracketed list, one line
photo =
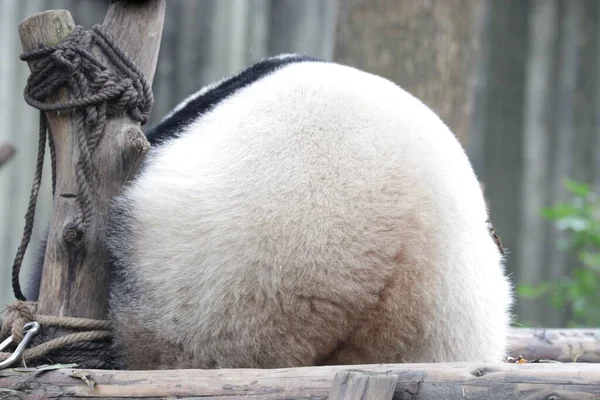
[(315, 215)]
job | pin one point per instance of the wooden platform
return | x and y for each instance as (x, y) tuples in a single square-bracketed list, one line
[(397, 381)]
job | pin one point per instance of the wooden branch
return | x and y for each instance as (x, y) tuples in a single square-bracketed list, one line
[(6, 153), (414, 381), (564, 345), (74, 279)]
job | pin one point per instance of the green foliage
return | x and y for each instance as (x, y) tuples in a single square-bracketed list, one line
[(580, 292)]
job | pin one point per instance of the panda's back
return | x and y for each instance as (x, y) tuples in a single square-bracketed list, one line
[(304, 204)]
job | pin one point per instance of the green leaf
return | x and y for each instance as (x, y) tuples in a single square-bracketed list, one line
[(559, 211), (578, 220), (577, 188), (533, 291)]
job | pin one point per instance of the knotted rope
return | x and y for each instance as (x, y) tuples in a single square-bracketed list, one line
[(63, 349), (98, 94)]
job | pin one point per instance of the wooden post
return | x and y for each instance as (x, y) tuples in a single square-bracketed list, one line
[(75, 275)]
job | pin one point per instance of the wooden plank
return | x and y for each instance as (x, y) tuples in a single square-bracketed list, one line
[(564, 345), (415, 381), (358, 385)]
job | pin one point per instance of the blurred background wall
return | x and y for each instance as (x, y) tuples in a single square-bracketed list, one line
[(517, 81)]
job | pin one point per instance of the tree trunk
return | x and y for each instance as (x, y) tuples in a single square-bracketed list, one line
[(75, 275), (427, 47)]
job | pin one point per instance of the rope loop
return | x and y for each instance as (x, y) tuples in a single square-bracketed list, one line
[(71, 63), (88, 345)]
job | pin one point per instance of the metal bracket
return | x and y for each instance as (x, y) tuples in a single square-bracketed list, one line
[(30, 330)]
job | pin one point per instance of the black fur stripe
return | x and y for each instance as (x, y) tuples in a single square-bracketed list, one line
[(199, 105)]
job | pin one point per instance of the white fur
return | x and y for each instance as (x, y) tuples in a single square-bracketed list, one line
[(320, 215)]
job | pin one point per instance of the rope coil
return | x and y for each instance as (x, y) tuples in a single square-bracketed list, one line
[(20, 313), (98, 93)]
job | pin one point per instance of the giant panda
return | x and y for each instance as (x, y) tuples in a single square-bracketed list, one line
[(304, 213)]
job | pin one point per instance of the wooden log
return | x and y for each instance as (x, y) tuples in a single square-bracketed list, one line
[(414, 381), (564, 345), (6, 152), (74, 279), (359, 385)]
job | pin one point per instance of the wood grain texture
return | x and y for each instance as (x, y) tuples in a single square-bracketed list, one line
[(564, 345), (358, 385), (75, 276), (415, 381)]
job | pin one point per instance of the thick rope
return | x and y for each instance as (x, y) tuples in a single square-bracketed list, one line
[(97, 94), (52, 159), (37, 181), (71, 345), (21, 312)]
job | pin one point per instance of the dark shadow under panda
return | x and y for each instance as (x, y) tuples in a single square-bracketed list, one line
[(304, 213)]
